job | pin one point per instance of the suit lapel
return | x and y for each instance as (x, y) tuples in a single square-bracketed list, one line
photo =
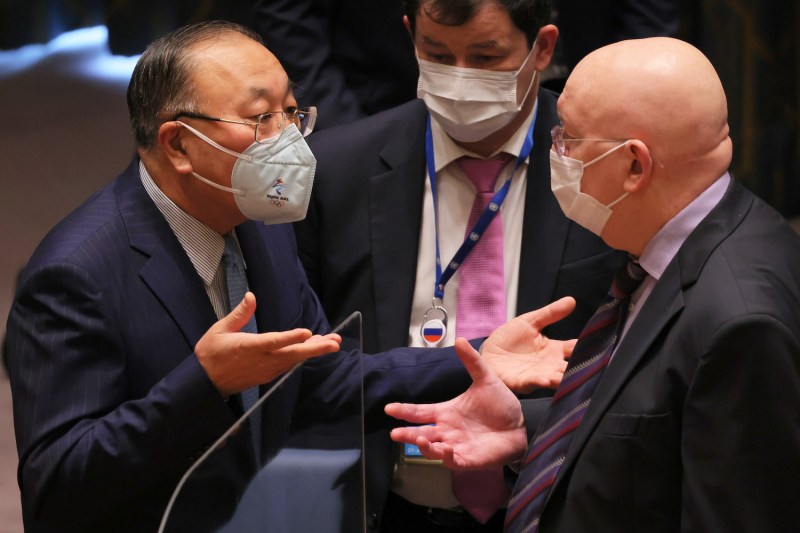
[(396, 198), (167, 270), (545, 228), (662, 306)]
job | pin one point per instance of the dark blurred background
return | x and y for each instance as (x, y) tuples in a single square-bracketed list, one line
[(754, 44), (64, 125)]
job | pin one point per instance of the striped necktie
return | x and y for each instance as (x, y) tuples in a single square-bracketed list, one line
[(589, 359), (236, 278)]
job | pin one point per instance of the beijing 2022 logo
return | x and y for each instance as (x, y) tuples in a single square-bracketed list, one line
[(278, 199)]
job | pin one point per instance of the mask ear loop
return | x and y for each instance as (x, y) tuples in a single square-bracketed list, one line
[(216, 145), (533, 77), (601, 156), (238, 192), (207, 181)]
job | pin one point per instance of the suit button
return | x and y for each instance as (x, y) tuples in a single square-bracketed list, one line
[(372, 521)]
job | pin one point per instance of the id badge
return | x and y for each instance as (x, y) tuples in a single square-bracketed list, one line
[(412, 455)]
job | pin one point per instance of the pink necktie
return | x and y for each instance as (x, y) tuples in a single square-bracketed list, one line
[(480, 308)]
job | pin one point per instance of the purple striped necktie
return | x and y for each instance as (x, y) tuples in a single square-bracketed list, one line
[(589, 359), (480, 308)]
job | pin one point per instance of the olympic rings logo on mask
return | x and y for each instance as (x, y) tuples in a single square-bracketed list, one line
[(276, 202)]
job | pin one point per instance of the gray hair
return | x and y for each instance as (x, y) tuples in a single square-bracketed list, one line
[(159, 88)]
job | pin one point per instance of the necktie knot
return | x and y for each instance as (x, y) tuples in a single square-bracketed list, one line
[(628, 279), (483, 173)]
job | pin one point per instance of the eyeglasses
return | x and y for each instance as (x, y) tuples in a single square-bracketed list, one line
[(559, 142), (267, 125)]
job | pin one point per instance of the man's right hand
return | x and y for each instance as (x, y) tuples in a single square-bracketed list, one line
[(236, 361), (481, 428)]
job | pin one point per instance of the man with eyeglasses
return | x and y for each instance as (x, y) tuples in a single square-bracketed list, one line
[(686, 418), (397, 193), (135, 341)]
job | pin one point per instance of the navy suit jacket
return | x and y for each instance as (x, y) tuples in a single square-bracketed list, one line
[(359, 242), (694, 425), (111, 406)]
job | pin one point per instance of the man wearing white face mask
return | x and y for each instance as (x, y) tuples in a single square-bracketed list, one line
[(678, 411), (396, 194), (135, 341)]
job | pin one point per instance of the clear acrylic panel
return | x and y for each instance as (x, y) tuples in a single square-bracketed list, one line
[(305, 471)]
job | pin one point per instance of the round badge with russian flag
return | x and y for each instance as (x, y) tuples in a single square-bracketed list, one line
[(433, 332)]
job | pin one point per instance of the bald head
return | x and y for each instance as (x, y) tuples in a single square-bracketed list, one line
[(662, 91), (665, 99)]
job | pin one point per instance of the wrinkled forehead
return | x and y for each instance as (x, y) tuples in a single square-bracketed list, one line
[(239, 68)]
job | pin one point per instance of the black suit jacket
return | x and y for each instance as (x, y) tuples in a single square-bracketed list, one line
[(359, 242), (694, 425), (351, 58)]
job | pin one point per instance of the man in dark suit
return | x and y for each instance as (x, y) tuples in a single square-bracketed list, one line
[(371, 242), (350, 58), (130, 349), (693, 425)]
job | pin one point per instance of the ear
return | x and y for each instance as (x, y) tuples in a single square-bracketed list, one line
[(171, 143), (546, 43), (640, 172), (407, 24)]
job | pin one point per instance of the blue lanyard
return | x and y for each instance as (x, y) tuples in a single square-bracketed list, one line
[(472, 238)]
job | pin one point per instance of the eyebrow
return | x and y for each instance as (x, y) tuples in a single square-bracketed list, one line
[(263, 92), (260, 92), (481, 46)]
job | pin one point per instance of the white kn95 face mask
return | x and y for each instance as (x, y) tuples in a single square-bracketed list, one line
[(271, 180)]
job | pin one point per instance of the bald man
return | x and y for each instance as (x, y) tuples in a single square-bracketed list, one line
[(693, 425)]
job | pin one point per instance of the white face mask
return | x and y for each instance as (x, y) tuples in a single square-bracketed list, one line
[(469, 103), (565, 182), (271, 180)]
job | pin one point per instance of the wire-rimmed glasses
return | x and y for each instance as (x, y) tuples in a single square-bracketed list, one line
[(270, 124), (560, 140)]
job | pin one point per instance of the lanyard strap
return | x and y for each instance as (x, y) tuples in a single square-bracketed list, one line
[(472, 238)]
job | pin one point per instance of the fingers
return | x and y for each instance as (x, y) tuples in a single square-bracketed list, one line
[(430, 449), (274, 341), (410, 412), (436, 451), (471, 359), (550, 313), (240, 315), (568, 347), (330, 336), (309, 349)]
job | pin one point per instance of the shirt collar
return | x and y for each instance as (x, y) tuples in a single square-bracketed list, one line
[(445, 149), (664, 245), (203, 245)]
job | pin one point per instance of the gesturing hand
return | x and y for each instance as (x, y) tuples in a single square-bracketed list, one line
[(235, 361), (482, 427), (524, 358)]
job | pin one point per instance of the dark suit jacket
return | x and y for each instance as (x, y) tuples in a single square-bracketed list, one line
[(359, 242), (351, 58), (110, 404), (694, 426)]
